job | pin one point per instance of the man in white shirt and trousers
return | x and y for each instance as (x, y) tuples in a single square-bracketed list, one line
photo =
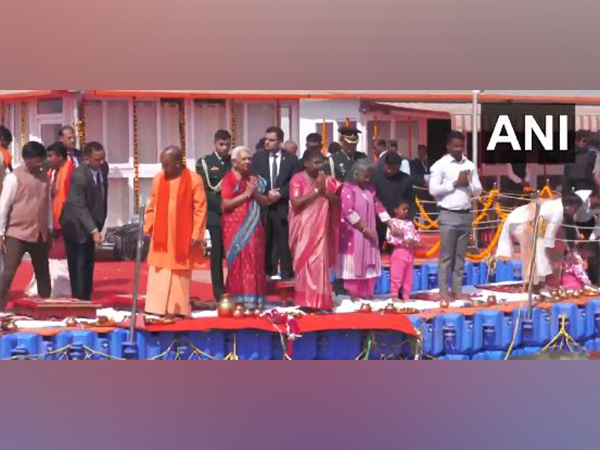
[(519, 226), (454, 182)]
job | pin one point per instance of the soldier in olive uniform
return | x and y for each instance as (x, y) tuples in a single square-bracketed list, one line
[(341, 162), (213, 169)]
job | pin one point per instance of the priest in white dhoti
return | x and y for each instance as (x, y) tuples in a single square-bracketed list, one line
[(519, 227)]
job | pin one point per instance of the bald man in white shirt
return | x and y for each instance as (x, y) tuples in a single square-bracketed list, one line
[(454, 182)]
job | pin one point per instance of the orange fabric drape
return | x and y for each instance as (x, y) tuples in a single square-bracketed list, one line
[(7, 157), (184, 216), (59, 197)]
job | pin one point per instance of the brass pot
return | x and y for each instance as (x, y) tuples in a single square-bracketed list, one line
[(390, 309), (240, 311), (226, 308), (366, 308), (492, 300), (8, 326), (71, 322), (444, 304)]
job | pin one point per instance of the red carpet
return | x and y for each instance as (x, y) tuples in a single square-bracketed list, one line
[(111, 280)]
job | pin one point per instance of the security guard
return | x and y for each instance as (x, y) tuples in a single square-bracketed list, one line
[(213, 169), (341, 162)]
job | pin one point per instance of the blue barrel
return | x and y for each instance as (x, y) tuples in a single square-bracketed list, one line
[(455, 358), (593, 345), (426, 330), (535, 332), (593, 319), (504, 272), (388, 345), (418, 279), (384, 283), (575, 320), (207, 345), (489, 356), (253, 345), (160, 346), (454, 334), (483, 274), (305, 348), (429, 277), (525, 352), (340, 345), (21, 345), (489, 331)]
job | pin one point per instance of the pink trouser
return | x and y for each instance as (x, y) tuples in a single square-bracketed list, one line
[(403, 263)]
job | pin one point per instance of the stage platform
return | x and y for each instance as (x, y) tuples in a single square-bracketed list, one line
[(469, 330)]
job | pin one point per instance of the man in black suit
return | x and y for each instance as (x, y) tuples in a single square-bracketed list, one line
[(420, 168), (83, 218), (68, 137), (392, 185), (277, 168)]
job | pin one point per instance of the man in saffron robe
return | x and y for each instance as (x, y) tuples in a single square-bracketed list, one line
[(176, 220), (59, 174), (314, 225)]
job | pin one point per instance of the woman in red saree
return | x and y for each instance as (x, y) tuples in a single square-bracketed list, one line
[(243, 232), (314, 224)]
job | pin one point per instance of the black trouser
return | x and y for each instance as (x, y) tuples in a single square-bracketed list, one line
[(278, 246), (15, 249), (81, 259), (216, 261)]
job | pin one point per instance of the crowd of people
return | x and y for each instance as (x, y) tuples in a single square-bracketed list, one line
[(272, 215)]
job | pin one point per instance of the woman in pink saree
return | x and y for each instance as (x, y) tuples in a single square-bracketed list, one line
[(314, 223), (359, 260)]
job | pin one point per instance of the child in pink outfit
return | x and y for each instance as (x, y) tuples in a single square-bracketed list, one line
[(404, 237), (574, 270)]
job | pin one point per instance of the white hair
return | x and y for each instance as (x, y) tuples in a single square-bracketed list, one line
[(238, 151)]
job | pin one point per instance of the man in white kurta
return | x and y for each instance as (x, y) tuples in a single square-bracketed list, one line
[(519, 226)]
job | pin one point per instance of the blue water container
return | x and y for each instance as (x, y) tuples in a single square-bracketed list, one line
[(489, 333), (206, 345), (489, 356), (389, 345), (384, 284), (483, 274), (305, 348), (576, 318), (426, 330), (525, 352), (20, 346), (504, 272), (454, 334), (474, 274), (340, 345), (593, 319), (593, 345), (517, 271), (253, 345), (429, 277), (454, 358), (418, 279), (155, 345), (535, 332)]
